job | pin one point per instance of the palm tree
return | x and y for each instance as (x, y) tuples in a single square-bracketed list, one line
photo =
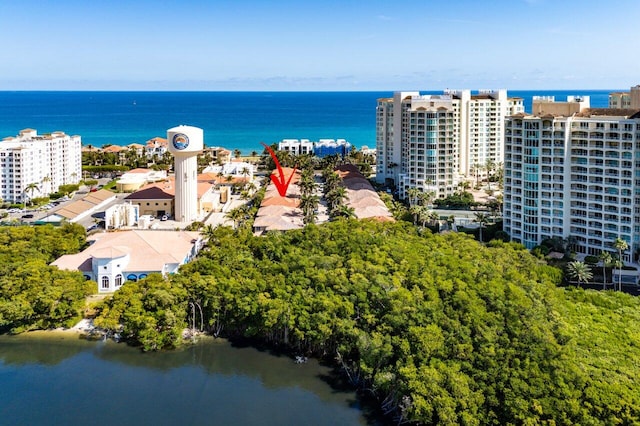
[(434, 218), (31, 188), (44, 181), (345, 211), (579, 271), (236, 215), (606, 259), (236, 153), (208, 232), (481, 219), (307, 183), (425, 198), (620, 245), (416, 210), (336, 197), (617, 263), (308, 205), (413, 194), (424, 214)]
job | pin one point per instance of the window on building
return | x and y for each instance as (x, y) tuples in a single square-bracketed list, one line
[(118, 280), (105, 283)]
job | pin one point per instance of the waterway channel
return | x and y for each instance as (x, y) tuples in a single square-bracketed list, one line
[(54, 378)]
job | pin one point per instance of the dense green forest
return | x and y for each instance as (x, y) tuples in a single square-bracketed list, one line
[(441, 329), (34, 295)]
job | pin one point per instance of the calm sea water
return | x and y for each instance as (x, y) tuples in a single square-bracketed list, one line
[(48, 380), (231, 119)]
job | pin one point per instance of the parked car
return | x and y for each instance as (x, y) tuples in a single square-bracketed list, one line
[(27, 216)]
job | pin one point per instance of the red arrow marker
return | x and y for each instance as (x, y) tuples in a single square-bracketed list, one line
[(279, 182)]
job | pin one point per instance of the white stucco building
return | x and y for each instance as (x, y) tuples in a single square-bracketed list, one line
[(47, 161), (296, 146), (433, 142), (116, 257), (233, 169), (571, 172)]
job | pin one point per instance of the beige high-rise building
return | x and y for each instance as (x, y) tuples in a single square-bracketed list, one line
[(622, 100), (433, 142)]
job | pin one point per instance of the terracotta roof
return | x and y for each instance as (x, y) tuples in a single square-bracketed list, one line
[(112, 148), (157, 141), (149, 250)]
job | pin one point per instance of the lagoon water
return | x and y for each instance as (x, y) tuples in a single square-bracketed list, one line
[(231, 119), (54, 379)]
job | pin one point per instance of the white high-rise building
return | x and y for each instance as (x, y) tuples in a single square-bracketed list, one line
[(570, 172), (433, 142), (47, 161)]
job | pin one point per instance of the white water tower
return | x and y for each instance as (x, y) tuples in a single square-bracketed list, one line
[(185, 143)]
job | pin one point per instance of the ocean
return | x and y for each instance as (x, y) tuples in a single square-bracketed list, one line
[(234, 120)]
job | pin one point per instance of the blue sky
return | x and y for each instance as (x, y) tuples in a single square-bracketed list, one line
[(318, 45)]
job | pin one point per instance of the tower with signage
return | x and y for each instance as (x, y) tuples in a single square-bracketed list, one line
[(185, 142)]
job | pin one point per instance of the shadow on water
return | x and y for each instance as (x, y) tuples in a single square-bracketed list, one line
[(217, 359)]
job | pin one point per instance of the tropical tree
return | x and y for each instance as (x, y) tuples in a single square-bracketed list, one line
[(579, 271), (415, 211), (30, 189), (46, 180), (236, 153), (344, 211), (307, 182), (236, 215), (336, 197), (426, 198), (308, 205), (620, 245), (482, 219), (413, 194), (607, 260)]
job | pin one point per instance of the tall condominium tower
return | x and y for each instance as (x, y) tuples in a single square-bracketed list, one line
[(433, 142), (33, 165), (570, 172)]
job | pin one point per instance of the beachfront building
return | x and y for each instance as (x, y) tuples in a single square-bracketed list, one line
[(113, 258), (33, 165), (326, 147), (321, 148), (622, 100), (570, 172), (434, 142), (296, 146), (156, 147)]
